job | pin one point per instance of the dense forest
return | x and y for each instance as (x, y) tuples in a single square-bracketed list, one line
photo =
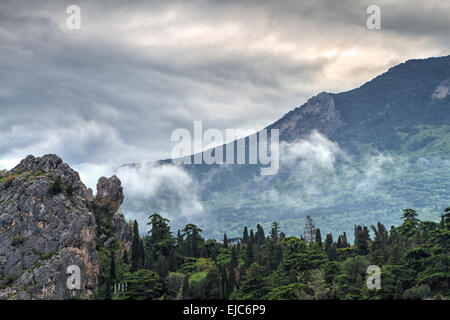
[(414, 259)]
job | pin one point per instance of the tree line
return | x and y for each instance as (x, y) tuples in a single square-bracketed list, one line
[(413, 258)]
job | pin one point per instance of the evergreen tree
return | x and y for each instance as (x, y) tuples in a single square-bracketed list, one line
[(125, 257), (160, 235), (135, 248), (245, 235), (112, 268), (328, 242), (275, 232), (252, 236), (142, 254), (179, 239), (108, 289), (162, 267), (185, 287), (318, 238), (344, 240), (231, 281), (260, 237), (250, 255), (309, 230), (234, 261), (225, 241), (191, 233), (173, 264)]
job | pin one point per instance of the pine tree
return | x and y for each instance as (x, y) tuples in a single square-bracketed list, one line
[(309, 230), (135, 248), (192, 244), (275, 232)]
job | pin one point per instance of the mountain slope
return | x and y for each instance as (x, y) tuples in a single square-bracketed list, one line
[(353, 157)]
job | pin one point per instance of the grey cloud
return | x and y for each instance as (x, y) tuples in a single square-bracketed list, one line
[(114, 91)]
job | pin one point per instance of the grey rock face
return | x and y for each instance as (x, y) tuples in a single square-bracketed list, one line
[(46, 225), (318, 113), (121, 230)]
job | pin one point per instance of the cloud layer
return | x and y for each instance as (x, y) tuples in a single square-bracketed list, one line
[(116, 89)]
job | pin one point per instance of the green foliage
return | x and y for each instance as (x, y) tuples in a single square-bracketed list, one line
[(142, 285), (17, 240), (56, 187), (417, 292), (414, 259)]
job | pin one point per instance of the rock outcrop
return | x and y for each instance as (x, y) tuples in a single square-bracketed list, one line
[(47, 224), (318, 113), (109, 194)]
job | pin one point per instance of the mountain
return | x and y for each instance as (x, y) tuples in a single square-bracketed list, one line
[(347, 158), (49, 221)]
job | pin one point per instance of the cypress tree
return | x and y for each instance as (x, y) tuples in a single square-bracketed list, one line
[(173, 264), (108, 289), (328, 242), (125, 257), (112, 267), (135, 248), (225, 241), (252, 236), (249, 256), (162, 267), (185, 288), (231, 281), (234, 261), (261, 238), (245, 235), (142, 253), (318, 237)]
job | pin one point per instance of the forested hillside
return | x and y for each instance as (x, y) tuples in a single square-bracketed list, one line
[(414, 259), (345, 158)]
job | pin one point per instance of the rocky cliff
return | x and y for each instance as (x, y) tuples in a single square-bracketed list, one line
[(48, 222), (318, 113)]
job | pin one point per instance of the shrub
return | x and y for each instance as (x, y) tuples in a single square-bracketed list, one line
[(16, 240), (3, 173), (56, 187), (8, 180), (417, 292)]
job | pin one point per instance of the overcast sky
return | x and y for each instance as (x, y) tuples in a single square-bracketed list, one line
[(114, 91)]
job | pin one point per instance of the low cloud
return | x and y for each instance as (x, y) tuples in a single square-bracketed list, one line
[(311, 154)]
